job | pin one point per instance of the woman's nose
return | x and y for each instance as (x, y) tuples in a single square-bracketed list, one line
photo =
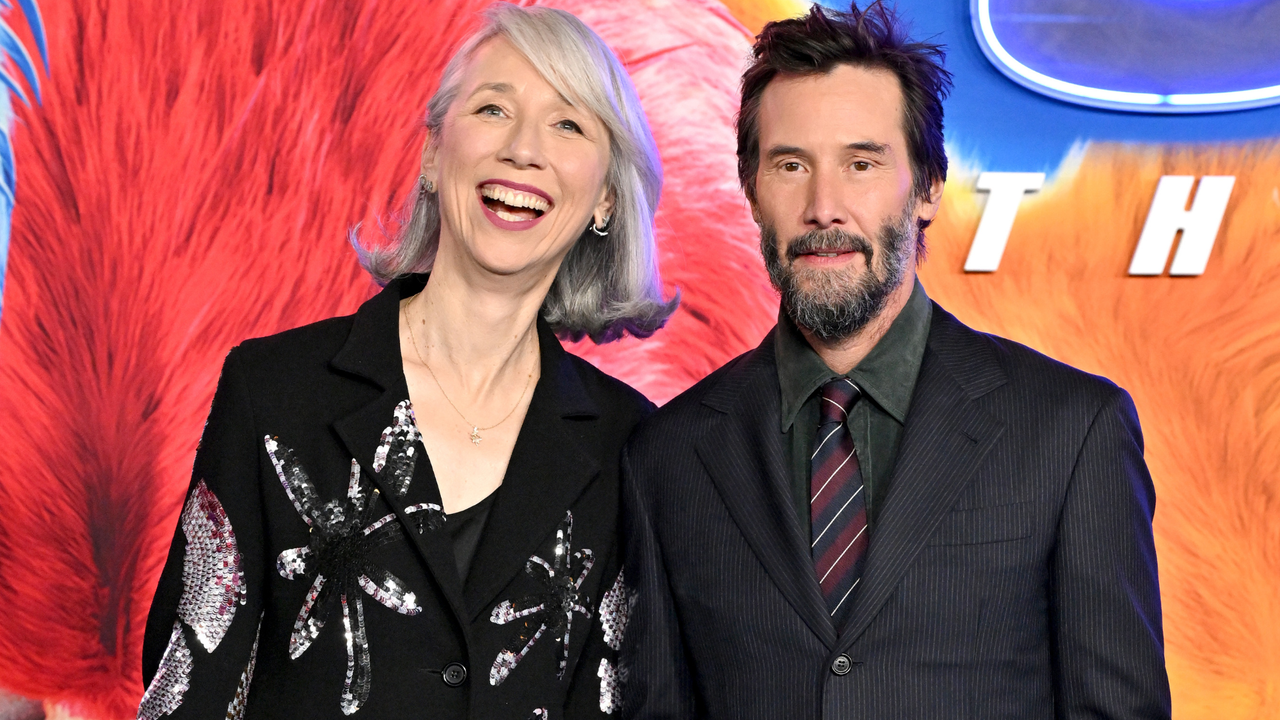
[(524, 146)]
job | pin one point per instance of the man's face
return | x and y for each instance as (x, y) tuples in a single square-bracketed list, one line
[(834, 196)]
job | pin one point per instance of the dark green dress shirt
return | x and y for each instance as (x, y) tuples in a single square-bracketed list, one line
[(887, 378)]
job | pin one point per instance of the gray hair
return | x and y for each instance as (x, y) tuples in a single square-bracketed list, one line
[(606, 285)]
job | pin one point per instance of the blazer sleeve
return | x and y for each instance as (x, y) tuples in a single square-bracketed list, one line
[(1104, 591), (202, 629), (656, 680)]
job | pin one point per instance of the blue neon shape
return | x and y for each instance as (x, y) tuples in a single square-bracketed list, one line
[(1110, 99)]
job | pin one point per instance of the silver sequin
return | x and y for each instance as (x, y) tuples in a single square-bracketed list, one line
[(306, 628), (235, 709), (339, 554), (389, 591), (610, 688), (615, 611), (172, 679), (552, 606), (294, 479), (212, 571), (355, 689), (539, 714), (396, 451)]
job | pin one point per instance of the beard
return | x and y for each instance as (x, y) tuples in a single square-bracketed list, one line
[(836, 304)]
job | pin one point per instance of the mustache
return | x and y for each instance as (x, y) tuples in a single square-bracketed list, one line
[(830, 240)]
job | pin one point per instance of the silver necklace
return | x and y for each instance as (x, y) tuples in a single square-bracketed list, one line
[(475, 428)]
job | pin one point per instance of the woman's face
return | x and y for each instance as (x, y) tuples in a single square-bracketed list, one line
[(519, 171)]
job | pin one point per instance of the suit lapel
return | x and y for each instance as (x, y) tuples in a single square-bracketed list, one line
[(548, 470), (945, 438), (372, 352), (742, 451)]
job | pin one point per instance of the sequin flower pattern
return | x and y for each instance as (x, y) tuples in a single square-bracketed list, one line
[(615, 612), (339, 560), (551, 608), (212, 570), (212, 587)]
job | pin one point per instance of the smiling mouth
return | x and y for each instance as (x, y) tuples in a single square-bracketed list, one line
[(512, 205)]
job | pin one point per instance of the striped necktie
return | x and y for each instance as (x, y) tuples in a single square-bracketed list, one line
[(837, 506)]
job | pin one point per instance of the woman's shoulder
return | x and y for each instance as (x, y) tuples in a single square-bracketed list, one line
[(296, 353), (610, 393)]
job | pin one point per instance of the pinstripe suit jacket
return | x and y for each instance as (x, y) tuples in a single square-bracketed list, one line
[(1012, 573)]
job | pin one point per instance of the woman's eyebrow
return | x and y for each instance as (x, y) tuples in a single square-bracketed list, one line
[(498, 87)]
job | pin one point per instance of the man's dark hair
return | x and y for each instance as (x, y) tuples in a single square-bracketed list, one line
[(872, 38)]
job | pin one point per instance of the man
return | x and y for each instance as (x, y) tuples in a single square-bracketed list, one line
[(879, 512)]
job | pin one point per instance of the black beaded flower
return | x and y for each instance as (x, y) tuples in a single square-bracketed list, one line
[(339, 557), (551, 608)]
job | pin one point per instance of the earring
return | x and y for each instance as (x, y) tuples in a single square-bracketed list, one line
[(602, 232), (425, 186)]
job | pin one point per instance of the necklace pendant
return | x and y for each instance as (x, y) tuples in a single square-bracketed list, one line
[(475, 436)]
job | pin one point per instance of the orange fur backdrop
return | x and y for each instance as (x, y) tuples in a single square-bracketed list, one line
[(1201, 357)]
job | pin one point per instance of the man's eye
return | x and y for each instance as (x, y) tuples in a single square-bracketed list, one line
[(791, 167), (569, 126), (861, 165)]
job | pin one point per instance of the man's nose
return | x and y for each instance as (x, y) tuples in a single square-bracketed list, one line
[(524, 146), (827, 206)]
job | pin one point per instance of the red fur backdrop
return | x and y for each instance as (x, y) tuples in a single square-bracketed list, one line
[(191, 175), (188, 182)]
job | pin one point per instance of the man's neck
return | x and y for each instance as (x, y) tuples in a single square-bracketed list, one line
[(844, 355)]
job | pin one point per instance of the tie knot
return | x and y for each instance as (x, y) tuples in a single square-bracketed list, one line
[(837, 397)]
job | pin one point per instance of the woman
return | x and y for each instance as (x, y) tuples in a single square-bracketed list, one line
[(410, 512)]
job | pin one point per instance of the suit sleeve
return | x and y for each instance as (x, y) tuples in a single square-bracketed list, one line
[(1104, 590), (656, 680), (202, 629)]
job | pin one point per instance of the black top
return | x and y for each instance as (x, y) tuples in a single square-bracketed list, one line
[(311, 570), (886, 377), (464, 528)]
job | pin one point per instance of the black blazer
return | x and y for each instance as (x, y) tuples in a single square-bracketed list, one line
[(313, 422), (1012, 573)]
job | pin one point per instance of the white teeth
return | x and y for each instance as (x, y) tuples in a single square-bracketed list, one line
[(514, 198)]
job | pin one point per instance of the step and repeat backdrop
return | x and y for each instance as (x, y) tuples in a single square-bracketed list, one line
[(178, 175)]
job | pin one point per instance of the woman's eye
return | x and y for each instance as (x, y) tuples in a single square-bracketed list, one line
[(570, 126), (490, 110), (861, 165)]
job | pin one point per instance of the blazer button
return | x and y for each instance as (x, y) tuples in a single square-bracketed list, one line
[(842, 665), (455, 674)]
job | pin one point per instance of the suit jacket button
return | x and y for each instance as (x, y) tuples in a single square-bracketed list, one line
[(455, 674), (842, 665)]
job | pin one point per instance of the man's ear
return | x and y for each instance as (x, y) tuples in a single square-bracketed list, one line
[(927, 209)]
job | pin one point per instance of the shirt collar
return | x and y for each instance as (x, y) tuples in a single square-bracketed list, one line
[(887, 374)]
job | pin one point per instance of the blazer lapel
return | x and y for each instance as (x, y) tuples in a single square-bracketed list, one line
[(372, 352), (548, 470), (945, 439), (743, 454)]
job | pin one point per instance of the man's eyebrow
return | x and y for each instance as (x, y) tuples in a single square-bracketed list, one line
[(779, 150), (869, 146), (498, 87)]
